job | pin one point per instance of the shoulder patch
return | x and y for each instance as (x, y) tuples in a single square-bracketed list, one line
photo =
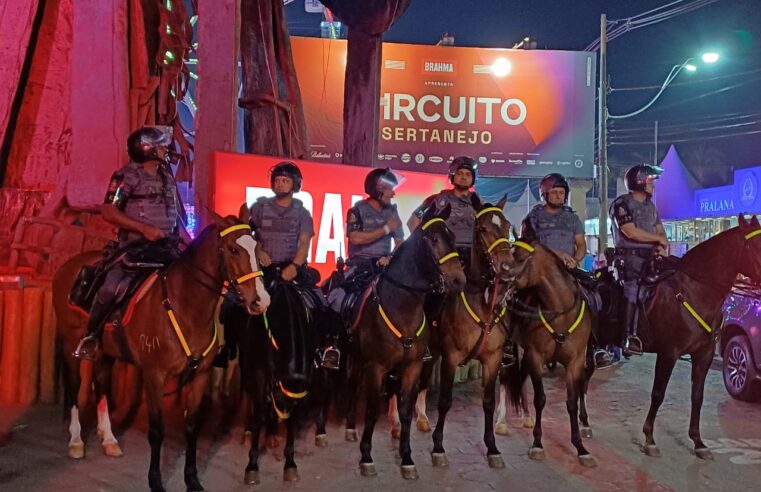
[(621, 211)]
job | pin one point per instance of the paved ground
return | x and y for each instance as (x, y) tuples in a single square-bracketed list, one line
[(34, 458)]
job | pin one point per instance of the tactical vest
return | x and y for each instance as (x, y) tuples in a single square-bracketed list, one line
[(278, 228), (462, 218), (645, 216), (555, 231), (371, 220), (149, 201)]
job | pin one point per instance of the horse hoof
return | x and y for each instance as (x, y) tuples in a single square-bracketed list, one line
[(351, 435), (409, 472), (651, 450), (321, 440), (528, 422), (112, 449), (424, 425), (272, 442), (290, 475), (496, 461), (501, 429), (77, 451), (195, 486), (396, 432), (367, 469), (439, 459), (704, 453), (586, 432), (252, 477), (536, 454), (587, 460)]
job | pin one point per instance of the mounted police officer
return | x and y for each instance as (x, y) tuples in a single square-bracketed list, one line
[(372, 225), (283, 230), (463, 172), (558, 228), (142, 201), (638, 234)]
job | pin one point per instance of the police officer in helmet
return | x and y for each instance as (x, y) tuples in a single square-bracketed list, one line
[(374, 230), (638, 234), (284, 230), (560, 229), (142, 201), (463, 172)]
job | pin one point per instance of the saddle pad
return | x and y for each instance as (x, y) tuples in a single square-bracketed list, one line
[(138, 296)]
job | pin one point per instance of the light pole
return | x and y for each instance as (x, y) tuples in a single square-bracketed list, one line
[(604, 115)]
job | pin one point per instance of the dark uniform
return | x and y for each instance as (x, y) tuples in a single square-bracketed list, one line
[(461, 220), (556, 231)]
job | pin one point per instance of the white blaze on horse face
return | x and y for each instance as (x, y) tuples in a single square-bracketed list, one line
[(249, 244), (496, 220)]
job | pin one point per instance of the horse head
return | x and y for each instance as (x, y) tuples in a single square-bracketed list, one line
[(491, 247), (750, 258), (438, 241), (531, 260), (236, 248)]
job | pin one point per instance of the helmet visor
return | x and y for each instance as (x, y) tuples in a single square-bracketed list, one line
[(391, 180)]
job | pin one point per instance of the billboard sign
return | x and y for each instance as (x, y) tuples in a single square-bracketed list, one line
[(328, 191), (518, 112)]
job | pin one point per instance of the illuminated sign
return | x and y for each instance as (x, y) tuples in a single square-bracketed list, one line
[(328, 191)]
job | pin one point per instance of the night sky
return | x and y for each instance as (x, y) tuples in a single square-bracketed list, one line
[(727, 94)]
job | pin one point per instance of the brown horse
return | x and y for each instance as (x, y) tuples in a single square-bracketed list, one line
[(473, 323), (555, 325), (684, 316), (170, 333), (392, 332)]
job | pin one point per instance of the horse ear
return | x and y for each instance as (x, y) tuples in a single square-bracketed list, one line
[(217, 219), (475, 200), (754, 221), (244, 213), (428, 214), (444, 214), (742, 221), (502, 201)]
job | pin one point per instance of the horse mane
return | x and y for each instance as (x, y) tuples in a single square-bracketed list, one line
[(699, 250)]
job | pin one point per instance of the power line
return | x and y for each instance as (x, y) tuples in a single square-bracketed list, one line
[(706, 94), (677, 84), (685, 125), (706, 137), (693, 130)]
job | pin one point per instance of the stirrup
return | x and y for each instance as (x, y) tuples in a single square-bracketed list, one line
[(427, 356), (86, 353), (602, 359), (633, 345), (330, 359)]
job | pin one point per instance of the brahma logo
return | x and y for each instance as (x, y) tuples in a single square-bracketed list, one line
[(438, 67)]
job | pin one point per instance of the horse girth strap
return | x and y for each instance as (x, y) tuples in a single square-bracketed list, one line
[(560, 337), (176, 325), (702, 322), (393, 328)]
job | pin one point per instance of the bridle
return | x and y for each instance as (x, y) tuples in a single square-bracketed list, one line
[(489, 250)]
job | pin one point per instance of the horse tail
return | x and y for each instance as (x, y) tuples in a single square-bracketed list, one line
[(513, 378)]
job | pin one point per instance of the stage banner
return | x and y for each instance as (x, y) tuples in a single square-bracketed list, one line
[(328, 191), (518, 112)]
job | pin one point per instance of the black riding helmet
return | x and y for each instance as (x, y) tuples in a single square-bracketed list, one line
[(638, 176), (463, 162), (289, 170), (375, 180), (143, 144), (553, 180)]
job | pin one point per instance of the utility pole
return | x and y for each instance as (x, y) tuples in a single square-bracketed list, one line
[(602, 151), (655, 144)]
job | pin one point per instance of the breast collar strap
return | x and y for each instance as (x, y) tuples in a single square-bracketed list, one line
[(407, 342), (560, 337)]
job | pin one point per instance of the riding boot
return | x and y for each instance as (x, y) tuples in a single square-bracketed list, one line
[(88, 346), (427, 356), (632, 345)]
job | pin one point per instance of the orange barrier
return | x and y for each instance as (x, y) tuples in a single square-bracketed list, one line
[(11, 350), (47, 351), (31, 326)]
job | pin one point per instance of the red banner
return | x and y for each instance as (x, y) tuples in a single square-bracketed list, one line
[(328, 191), (518, 112)]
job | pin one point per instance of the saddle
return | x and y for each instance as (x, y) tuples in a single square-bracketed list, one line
[(658, 269)]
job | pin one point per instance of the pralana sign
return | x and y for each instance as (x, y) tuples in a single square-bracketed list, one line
[(518, 112)]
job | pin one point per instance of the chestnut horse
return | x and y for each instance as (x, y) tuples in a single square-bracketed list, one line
[(392, 331), (554, 326), (684, 316), (170, 334)]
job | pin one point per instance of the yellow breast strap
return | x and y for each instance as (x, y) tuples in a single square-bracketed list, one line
[(573, 326)]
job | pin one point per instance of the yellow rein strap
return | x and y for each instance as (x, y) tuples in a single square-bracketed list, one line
[(524, 245), (238, 227), (393, 328), (573, 326)]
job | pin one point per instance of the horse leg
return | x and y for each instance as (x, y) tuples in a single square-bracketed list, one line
[(355, 373), (393, 417), (194, 395), (664, 365), (257, 400), (534, 362), (407, 397), (446, 381), (586, 430), (526, 419), (102, 393), (701, 362), (573, 385), (500, 424), (72, 382), (374, 379), (290, 471), (154, 389), (423, 424), (322, 404), (489, 380)]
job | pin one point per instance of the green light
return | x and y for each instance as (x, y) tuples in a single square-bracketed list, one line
[(690, 67), (169, 5), (710, 57), (193, 20), (168, 57), (168, 29)]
